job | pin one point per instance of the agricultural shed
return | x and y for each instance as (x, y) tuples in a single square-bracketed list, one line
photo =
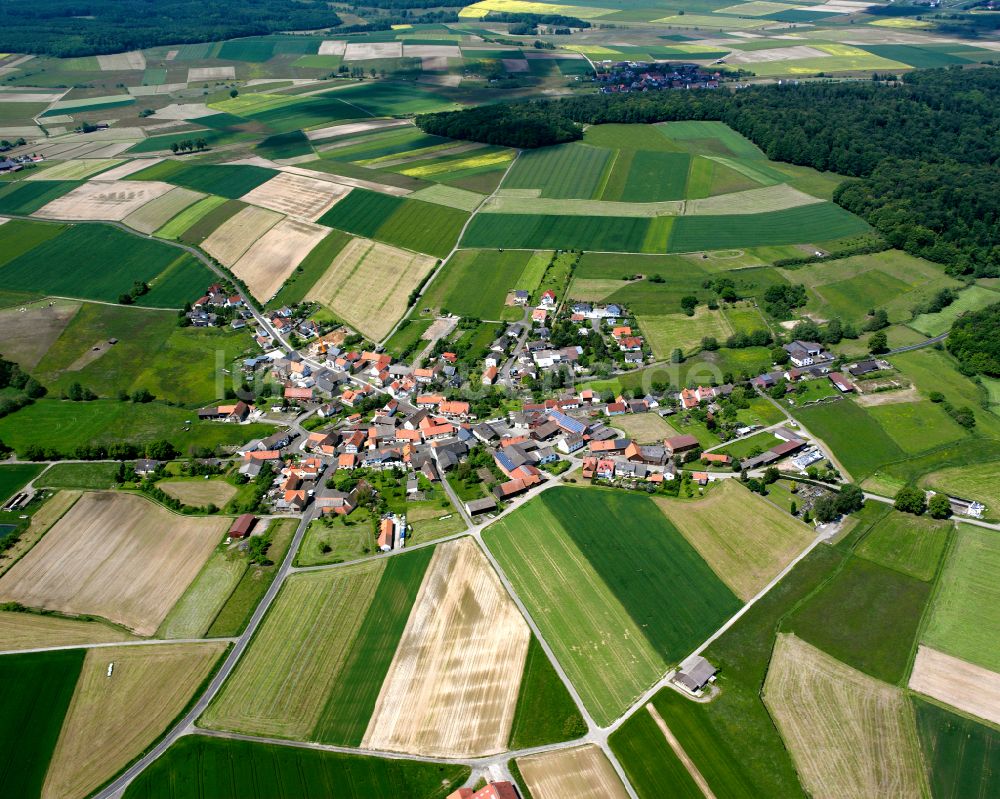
[(676, 444), (480, 505), (242, 526), (694, 673)]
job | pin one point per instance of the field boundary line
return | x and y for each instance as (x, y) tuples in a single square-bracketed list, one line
[(107, 644), (683, 756)]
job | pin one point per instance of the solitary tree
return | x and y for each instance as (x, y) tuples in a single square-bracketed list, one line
[(939, 507)]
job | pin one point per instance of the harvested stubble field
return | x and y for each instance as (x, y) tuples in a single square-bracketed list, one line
[(109, 201), (40, 522), (966, 686), (981, 482), (199, 492), (80, 169), (269, 261), (113, 719), (34, 631), (114, 555), (583, 772), (156, 213), (746, 556), (281, 685), (298, 196), (228, 242), (966, 610), (368, 284), (29, 333), (452, 688), (849, 734)]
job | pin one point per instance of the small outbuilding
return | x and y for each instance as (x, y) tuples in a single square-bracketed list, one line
[(694, 674), (243, 526)]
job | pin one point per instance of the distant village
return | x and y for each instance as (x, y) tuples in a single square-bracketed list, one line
[(622, 77)]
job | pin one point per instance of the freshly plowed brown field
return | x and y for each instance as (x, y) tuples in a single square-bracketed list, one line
[(114, 555), (452, 687)]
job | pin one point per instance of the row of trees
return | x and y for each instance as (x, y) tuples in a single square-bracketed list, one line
[(927, 151)]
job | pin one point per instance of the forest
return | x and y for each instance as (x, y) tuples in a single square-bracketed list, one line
[(67, 28), (927, 150), (975, 340)]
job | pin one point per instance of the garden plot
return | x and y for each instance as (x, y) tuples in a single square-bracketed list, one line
[(332, 47), (970, 688), (114, 555), (274, 256), (298, 196), (109, 201), (196, 74), (849, 734), (232, 238), (369, 283), (452, 688), (75, 170), (583, 772), (121, 62), (118, 710), (156, 213), (366, 51)]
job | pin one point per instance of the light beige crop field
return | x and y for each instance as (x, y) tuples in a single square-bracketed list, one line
[(110, 201), (752, 201), (232, 238), (745, 556), (583, 772), (42, 520), (368, 284), (452, 687), (332, 47), (29, 330), (119, 62), (958, 683), (295, 195), (128, 168), (199, 492), (33, 631), (645, 428), (211, 73), (114, 555), (112, 719), (849, 734), (276, 254), (364, 51), (156, 213), (79, 169), (281, 684)]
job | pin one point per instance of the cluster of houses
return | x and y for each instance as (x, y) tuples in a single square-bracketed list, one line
[(809, 360), (622, 77), (17, 162)]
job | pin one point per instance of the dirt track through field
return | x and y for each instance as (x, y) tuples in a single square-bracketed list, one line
[(686, 761), (583, 772), (850, 735), (275, 255), (114, 555), (112, 719), (958, 683), (452, 688)]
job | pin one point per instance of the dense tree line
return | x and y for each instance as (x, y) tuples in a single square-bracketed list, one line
[(975, 341), (927, 151), (89, 27), (534, 20)]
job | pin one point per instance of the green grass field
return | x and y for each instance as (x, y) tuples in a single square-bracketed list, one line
[(198, 766), (597, 598), (665, 333), (350, 703), (912, 545), (100, 262), (386, 98), (867, 617), (226, 181), (186, 218), (709, 138), (200, 604), (966, 607), (19, 236), (650, 763), (35, 691), (407, 336), (551, 232), (817, 222), (971, 299), (285, 145), (962, 755), (14, 477), (980, 481), (64, 426), (857, 440), (917, 426), (564, 171), (476, 282), (415, 225), (545, 710), (79, 475)]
